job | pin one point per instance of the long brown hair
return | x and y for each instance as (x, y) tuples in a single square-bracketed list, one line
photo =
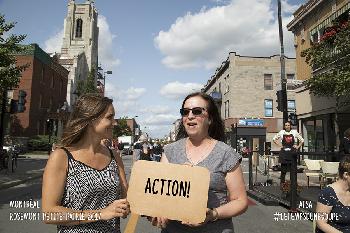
[(216, 128), (88, 108)]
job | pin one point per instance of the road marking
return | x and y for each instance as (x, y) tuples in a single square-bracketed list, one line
[(131, 225)]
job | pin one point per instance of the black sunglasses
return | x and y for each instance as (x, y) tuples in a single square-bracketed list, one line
[(195, 111)]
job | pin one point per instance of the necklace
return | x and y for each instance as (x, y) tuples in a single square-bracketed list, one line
[(188, 154)]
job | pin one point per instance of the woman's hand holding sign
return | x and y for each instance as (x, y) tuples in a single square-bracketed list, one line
[(211, 216), (159, 221)]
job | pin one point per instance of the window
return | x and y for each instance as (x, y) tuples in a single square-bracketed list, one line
[(268, 84), (268, 108), (314, 37), (290, 76), (227, 84), (52, 81), (220, 87), (227, 109), (291, 105), (38, 128), (42, 73), (50, 104), (79, 28), (61, 86), (40, 101)]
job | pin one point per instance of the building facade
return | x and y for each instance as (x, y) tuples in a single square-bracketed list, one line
[(45, 85), (79, 53), (316, 114), (135, 128), (245, 89)]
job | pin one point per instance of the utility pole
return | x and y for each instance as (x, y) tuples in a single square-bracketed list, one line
[(283, 66)]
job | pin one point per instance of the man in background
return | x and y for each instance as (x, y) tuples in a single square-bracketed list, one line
[(289, 140)]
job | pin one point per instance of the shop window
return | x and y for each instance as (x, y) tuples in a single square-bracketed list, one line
[(313, 134)]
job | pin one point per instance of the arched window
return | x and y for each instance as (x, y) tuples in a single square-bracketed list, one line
[(79, 28)]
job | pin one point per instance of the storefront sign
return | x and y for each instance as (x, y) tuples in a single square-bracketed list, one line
[(251, 122)]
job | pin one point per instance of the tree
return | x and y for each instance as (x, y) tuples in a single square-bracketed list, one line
[(122, 128), (9, 72), (330, 61), (88, 85)]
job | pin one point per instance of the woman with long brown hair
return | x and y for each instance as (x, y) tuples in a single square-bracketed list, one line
[(84, 184), (200, 143)]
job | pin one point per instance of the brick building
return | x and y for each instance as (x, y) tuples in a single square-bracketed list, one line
[(45, 84), (317, 114), (245, 90)]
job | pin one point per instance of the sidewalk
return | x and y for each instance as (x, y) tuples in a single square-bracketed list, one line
[(271, 194), (29, 167)]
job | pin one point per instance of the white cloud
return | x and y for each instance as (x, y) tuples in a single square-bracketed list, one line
[(54, 43), (177, 90), (204, 39), (126, 102), (288, 8), (105, 45), (157, 109), (161, 119), (158, 131)]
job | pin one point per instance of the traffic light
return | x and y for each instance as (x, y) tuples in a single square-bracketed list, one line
[(279, 100), (21, 101), (13, 106), (293, 118)]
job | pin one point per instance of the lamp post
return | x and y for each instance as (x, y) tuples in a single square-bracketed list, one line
[(48, 125), (104, 80), (102, 75), (136, 129)]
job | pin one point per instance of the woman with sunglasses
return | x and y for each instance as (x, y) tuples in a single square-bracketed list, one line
[(200, 143)]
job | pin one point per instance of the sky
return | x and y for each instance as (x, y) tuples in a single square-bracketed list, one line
[(160, 50)]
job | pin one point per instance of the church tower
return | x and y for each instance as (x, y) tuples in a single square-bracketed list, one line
[(79, 52)]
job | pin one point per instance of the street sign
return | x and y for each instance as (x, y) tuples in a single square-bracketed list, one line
[(177, 192)]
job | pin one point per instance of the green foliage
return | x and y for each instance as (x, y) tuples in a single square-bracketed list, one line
[(88, 85), (9, 73), (122, 128), (41, 143), (330, 62)]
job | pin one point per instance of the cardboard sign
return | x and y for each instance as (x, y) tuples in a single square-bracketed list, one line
[(177, 192)]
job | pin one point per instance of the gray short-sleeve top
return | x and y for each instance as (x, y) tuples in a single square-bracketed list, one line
[(219, 161)]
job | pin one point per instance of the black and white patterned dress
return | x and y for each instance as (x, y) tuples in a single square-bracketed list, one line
[(90, 189)]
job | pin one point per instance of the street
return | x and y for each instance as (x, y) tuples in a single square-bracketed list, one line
[(258, 218)]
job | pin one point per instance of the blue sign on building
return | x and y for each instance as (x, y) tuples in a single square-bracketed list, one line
[(251, 122)]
